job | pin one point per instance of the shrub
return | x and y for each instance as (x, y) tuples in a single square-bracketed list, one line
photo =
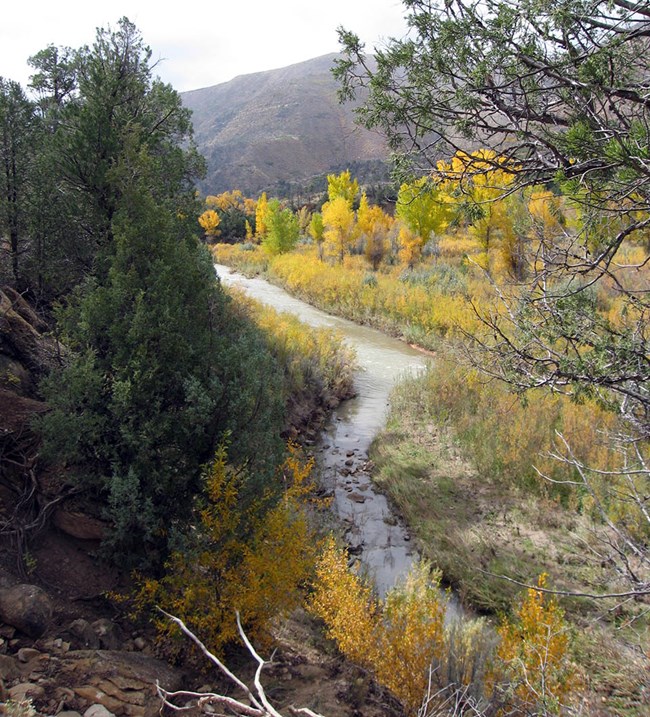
[(245, 556)]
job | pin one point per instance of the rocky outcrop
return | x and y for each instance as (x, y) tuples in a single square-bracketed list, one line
[(24, 343), (93, 683)]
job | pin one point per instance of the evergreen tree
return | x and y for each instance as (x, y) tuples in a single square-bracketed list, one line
[(18, 133), (163, 368)]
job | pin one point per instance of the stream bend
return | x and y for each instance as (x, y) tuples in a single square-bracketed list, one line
[(373, 531)]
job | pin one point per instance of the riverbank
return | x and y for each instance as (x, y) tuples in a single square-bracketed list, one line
[(475, 529), (475, 506), (418, 308)]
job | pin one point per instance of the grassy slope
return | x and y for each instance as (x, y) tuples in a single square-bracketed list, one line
[(474, 527)]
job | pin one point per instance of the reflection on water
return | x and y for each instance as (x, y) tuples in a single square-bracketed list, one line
[(374, 532)]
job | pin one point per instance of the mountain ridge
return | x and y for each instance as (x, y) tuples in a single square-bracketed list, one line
[(267, 130)]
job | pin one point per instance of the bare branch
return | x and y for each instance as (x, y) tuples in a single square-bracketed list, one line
[(259, 705)]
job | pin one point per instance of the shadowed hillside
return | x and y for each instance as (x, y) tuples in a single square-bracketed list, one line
[(268, 129)]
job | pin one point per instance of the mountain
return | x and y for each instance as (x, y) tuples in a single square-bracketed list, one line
[(270, 130)]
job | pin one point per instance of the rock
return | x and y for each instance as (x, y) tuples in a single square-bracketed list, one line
[(97, 711), (123, 682), (110, 635), (26, 690), (357, 497), (139, 643), (130, 696), (98, 697), (71, 713), (25, 654), (27, 608), (22, 334), (83, 634), (79, 525), (9, 668), (63, 695)]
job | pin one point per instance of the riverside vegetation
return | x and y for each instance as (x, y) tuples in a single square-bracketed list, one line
[(476, 469), (166, 416)]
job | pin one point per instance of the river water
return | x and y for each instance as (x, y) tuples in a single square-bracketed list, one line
[(373, 531)]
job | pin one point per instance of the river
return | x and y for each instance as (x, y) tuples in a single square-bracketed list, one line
[(373, 531)]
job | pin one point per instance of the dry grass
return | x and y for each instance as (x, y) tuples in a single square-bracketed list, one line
[(474, 528)]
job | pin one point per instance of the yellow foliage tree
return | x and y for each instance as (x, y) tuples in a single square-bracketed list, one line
[(227, 200), (316, 231), (251, 560), (339, 227), (410, 246), (261, 217), (482, 178), (399, 639), (210, 220), (373, 225), (533, 656), (342, 185), (426, 209)]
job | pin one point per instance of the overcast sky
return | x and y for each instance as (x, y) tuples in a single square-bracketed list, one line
[(199, 43)]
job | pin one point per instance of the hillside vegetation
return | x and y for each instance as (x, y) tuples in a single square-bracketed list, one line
[(138, 397)]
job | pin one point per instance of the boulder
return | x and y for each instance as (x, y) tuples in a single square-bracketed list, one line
[(25, 654), (96, 711), (27, 608), (25, 691)]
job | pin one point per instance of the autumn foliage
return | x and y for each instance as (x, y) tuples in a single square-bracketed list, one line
[(411, 648), (537, 676), (399, 639), (250, 556)]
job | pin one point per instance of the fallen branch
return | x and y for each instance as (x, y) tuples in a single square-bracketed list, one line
[(258, 704)]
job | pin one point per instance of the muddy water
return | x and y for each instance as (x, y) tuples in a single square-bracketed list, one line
[(375, 534)]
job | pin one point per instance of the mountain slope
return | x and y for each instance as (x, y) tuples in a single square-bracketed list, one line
[(265, 130)]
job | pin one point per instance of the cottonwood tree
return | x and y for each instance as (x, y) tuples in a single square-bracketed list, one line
[(339, 224), (373, 225), (282, 230), (425, 209), (558, 91)]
